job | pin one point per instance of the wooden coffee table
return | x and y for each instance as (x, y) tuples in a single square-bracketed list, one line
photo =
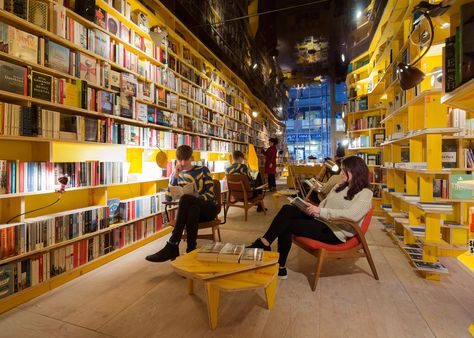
[(230, 277)]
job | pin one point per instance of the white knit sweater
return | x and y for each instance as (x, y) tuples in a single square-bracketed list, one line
[(335, 205)]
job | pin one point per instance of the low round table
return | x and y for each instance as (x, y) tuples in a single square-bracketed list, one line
[(230, 277)]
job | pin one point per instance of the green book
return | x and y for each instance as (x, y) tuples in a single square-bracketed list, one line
[(457, 192)]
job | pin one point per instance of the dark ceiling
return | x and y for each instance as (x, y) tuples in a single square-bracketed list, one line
[(309, 39)]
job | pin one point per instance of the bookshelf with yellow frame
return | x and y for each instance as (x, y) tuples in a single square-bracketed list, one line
[(416, 128), (362, 116), (226, 97)]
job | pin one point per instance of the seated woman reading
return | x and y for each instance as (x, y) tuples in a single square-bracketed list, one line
[(351, 199)]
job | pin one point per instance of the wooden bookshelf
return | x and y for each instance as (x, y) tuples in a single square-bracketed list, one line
[(221, 103), (417, 129)]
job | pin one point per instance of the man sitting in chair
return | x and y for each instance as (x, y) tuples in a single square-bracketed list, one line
[(239, 167), (200, 207)]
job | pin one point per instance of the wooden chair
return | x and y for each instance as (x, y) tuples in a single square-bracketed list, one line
[(240, 194), (349, 248), (214, 225)]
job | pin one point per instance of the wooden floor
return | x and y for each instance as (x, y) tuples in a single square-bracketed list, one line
[(131, 297)]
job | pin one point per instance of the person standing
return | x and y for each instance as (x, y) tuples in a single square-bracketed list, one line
[(270, 163)]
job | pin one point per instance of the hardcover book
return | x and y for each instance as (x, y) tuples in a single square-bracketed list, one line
[(13, 78), (448, 155), (456, 191), (128, 92), (113, 25), (114, 210), (100, 17), (57, 56), (91, 130), (114, 80), (102, 44), (88, 68), (41, 85), (6, 280), (38, 13), (106, 102), (23, 45)]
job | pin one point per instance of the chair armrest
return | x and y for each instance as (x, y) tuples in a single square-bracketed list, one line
[(263, 186), (170, 203), (346, 221)]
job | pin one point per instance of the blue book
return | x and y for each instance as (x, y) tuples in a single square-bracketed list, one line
[(114, 210)]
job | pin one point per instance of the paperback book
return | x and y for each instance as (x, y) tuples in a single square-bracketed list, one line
[(177, 191)]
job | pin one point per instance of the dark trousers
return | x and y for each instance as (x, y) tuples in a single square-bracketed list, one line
[(271, 181), (291, 221), (191, 211)]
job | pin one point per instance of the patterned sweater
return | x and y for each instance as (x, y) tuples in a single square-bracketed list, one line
[(238, 168), (202, 179)]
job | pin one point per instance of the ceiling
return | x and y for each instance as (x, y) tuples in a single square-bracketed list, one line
[(310, 39)]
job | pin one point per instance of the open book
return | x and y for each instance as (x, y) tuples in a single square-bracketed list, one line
[(314, 184), (253, 174), (298, 202), (177, 191)]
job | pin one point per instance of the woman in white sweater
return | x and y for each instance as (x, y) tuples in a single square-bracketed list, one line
[(351, 199)]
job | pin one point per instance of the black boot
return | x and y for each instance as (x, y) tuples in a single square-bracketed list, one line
[(169, 252), (259, 244)]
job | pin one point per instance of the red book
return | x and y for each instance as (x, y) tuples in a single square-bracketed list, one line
[(22, 173), (75, 262), (40, 272)]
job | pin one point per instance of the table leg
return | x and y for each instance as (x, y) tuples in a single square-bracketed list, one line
[(212, 304), (270, 292), (190, 286), (276, 200)]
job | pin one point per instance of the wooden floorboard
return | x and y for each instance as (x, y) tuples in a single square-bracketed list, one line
[(131, 297)]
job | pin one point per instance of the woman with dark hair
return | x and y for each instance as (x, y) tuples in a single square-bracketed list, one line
[(270, 163), (352, 199)]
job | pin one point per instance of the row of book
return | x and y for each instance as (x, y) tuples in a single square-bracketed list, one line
[(358, 105), (29, 272), (362, 141), (79, 93), (458, 63), (21, 177), (449, 188), (41, 232), (457, 119), (366, 123), (35, 121), (371, 159)]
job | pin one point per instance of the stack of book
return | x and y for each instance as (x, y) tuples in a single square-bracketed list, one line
[(229, 253), (436, 207)]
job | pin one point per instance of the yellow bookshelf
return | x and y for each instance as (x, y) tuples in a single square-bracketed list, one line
[(227, 100), (416, 125)]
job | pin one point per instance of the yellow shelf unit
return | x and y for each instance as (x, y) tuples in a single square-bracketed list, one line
[(223, 82), (416, 127)]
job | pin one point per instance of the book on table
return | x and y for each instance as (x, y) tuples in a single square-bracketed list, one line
[(177, 191), (251, 256), (209, 252), (230, 253)]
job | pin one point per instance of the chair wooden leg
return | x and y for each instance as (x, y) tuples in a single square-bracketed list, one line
[(246, 212), (219, 234), (319, 264), (214, 235), (263, 207), (369, 259)]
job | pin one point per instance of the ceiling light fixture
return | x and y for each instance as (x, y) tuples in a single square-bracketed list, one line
[(343, 57), (254, 66), (254, 113), (358, 14)]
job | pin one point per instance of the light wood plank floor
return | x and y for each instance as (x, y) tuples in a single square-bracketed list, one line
[(131, 297)]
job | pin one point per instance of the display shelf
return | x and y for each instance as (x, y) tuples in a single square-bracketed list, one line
[(364, 148), (56, 281), (462, 97), (423, 132), (365, 130), (366, 111), (71, 241), (414, 101)]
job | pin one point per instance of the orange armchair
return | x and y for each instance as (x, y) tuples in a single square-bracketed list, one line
[(350, 248)]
